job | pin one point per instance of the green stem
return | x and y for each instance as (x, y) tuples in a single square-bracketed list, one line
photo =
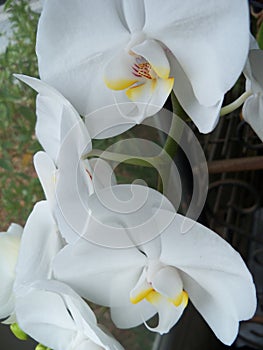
[(175, 131), (236, 104), (148, 162)]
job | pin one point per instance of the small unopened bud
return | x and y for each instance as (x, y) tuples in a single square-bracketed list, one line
[(40, 347), (17, 331)]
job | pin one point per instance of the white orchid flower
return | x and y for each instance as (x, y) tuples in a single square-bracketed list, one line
[(9, 247), (253, 107), (65, 138), (161, 275), (47, 310), (53, 314), (130, 54)]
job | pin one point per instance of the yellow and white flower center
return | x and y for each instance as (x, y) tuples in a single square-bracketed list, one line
[(143, 69), (140, 78), (153, 297)]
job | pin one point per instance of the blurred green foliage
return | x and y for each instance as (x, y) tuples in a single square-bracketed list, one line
[(19, 186)]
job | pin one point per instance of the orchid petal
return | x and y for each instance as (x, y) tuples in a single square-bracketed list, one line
[(126, 216), (40, 243), (81, 64), (56, 120), (102, 174), (114, 118), (73, 187), (44, 316), (155, 55), (128, 316), (74, 184), (137, 310), (168, 313), (141, 289), (83, 267), (150, 96), (46, 172), (60, 319), (152, 249), (167, 282), (118, 73), (252, 112), (253, 45), (118, 216), (199, 46), (49, 117), (214, 309), (54, 33), (216, 268), (134, 14), (9, 247), (205, 118), (42, 88)]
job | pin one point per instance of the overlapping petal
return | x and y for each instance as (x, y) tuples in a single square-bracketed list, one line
[(101, 278), (253, 107), (204, 117), (53, 314), (56, 120), (253, 112), (67, 179), (9, 247), (120, 216), (40, 242), (196, 37), (46, 171)]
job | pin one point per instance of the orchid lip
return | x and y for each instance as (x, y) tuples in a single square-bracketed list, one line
[(152, 296)]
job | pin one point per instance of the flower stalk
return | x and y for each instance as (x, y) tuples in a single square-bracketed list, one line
[(235, 104)]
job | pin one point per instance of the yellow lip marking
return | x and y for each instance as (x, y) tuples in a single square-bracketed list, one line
[(182, 298), (153, 85), (153, 297), (134, 92), (162, 72), (140, 296), (120, 84), (169, 84)]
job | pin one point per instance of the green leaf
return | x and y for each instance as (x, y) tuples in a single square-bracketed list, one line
[(7, 4), (5, 164), (260, 36)]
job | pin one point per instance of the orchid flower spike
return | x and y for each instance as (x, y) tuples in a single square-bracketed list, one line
[(253, 107), (160, 275), (9, 247), (47, 310), (132, 56)]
